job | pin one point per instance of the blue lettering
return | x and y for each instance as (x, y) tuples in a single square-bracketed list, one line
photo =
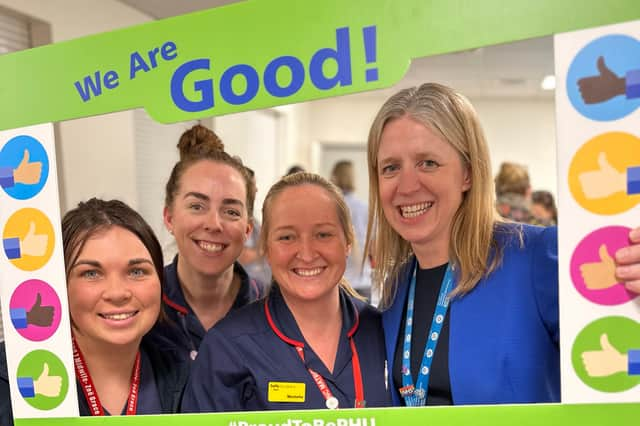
[(251, 77), (168, 51), (341, 54), (91, 86), (205, 87), (137, 64), (297, 76), (111, 80)]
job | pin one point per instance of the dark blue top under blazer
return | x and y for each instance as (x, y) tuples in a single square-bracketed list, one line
[(504, 334), (241, 354)]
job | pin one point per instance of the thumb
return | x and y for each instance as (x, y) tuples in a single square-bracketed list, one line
[(45, 371), (38, 301), (602, 67), (604, 254), (603, 163), (32, 229), (605, 345), (25, 158)]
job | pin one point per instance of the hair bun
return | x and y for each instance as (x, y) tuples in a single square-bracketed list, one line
[(199, 140)]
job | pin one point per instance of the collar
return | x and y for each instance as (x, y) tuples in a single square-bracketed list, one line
[(173, 296), (285, 326)]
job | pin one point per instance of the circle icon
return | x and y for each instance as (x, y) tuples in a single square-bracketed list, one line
[(28, 239), (35, 310), (24, 167), (593, 268), (597, 78), (598, 173), (599, 354), (42, 380)]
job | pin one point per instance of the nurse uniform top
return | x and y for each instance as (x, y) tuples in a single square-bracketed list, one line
[(184, 329), (249, 361)]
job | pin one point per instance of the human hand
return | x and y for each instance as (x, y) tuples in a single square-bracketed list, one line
[(47, 385), (605, 361), (599, 275), (603, 182), (40, 315), (32, 244), (26, 172), (628, 262), (601, 87)]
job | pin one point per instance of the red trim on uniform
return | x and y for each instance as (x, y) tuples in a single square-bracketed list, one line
[(356, 323), (174, 305), (275, 329)]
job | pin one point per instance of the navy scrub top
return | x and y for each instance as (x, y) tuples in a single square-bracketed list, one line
[(242, 354), (185, 329)]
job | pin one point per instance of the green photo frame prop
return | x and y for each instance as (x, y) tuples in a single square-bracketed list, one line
[(259, 54)]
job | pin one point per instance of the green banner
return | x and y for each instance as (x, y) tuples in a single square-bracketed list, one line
[(259, 54)]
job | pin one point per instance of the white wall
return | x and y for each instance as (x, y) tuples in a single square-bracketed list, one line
[(97, 153)]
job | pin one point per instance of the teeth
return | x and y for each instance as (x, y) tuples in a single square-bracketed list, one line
[(415, 209), (210, 247), (308, 272), (118, 317)]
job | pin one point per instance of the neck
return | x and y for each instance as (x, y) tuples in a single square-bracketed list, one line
[(434, 254), (320, 322), (110, 368), (209, 296)]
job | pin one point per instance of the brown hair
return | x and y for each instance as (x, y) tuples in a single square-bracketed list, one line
[(450, 116), (199, 144), (304, 178), (512, 178), (342, 175), (545, 199)]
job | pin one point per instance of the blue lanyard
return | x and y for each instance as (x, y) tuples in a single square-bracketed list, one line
[(416, 395)]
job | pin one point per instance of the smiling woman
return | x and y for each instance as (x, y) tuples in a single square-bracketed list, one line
[(114, 269), (312, 343)]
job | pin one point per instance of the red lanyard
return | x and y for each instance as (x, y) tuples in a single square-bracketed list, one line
[(331, 401), (89, 390)]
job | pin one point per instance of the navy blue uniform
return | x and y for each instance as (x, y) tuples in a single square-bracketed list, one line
[(186, 331), (242, 354)]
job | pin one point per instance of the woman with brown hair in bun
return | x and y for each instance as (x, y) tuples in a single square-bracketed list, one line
[(208, 209)]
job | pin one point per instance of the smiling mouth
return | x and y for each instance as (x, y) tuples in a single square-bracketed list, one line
[(308, 272), (119, 317), (415, 210), (210, 247)]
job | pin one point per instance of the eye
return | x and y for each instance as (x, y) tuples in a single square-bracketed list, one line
[(285, 237), (138, 272), (389, 169), (324, 234), (90, 274), (428, 164), (196, 207), (233, 213)]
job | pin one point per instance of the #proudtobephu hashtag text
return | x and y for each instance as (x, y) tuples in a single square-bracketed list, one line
[(360, 421)]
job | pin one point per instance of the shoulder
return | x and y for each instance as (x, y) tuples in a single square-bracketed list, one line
[(249, 319), (517, 235)]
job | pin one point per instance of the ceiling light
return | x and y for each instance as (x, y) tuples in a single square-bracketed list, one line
[(548, 82)]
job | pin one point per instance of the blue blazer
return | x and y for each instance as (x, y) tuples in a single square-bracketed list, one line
[(503, 343)]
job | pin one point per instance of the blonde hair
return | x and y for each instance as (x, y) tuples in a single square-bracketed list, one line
[(512, 178), (304, 178), (452, 117)]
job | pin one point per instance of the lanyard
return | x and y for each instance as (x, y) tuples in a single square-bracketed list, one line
[(330, 401), (416, 395), (89, 390)]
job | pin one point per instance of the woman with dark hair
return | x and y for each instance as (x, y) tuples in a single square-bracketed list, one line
[(543, 207), (208, 209), (114, 268), (312, 343)]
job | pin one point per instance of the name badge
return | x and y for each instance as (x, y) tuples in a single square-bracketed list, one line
[(286, 392)]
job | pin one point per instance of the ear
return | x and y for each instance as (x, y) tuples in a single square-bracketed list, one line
[(348, 249), (466, 183), (249, 230), (167, 218)]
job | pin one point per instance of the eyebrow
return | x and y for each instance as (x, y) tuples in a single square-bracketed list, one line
[(315, 225), (204, 197), (198, 195), (97, 264)]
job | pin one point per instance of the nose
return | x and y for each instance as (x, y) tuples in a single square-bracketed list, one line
[(408, 180), (117, 291), (212, 222), (306, 250)]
